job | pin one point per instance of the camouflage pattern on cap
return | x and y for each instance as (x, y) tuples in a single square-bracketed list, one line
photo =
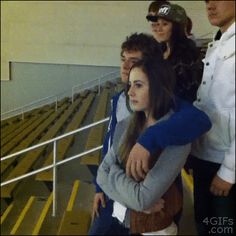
[(173, 12)]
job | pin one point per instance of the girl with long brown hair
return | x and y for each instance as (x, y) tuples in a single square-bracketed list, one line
[(151, 97)]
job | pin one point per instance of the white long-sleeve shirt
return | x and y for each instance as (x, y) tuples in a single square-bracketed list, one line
[(216, 97)]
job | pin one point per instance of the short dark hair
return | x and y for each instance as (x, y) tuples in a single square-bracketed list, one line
[(155, 5), (144, 43)]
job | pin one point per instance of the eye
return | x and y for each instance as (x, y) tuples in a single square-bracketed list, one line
[(133, 61), (138, 85)]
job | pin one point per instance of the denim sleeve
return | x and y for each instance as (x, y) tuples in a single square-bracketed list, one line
[(182, 127)]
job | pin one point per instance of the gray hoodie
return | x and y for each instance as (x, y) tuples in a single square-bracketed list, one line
[(112, 179)]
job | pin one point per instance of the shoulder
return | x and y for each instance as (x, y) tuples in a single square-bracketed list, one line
[(122, 126), (117, 95), (115, 98)]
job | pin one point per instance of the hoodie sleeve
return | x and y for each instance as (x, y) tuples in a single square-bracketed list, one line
[(140, 196)]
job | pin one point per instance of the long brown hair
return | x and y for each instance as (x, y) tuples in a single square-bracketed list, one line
[(161, 79)]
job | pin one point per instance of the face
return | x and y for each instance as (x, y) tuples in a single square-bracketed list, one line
[(128, 58), (139, 90), (153, 25), (163, 30), (221, 13)]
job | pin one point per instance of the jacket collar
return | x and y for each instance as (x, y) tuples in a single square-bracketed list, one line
[(228, 33)]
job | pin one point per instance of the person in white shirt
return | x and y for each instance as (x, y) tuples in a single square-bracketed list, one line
[(214, 165)]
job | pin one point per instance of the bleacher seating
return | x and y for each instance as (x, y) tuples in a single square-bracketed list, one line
[(31, 216), (9, 129), (6, 123), (26, 163), (34, 132), (96, 134), (10, 147), (27, 217), (63, 145), (76, 220), (17, 129), (6, 212)]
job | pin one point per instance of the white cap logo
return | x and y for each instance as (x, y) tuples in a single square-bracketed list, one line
[(164, 10)]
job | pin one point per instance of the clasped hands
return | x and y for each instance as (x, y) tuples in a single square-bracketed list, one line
[(137, 165)]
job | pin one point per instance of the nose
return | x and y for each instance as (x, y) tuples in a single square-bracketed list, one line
[(160, 27), (126, 65), (131, 92)]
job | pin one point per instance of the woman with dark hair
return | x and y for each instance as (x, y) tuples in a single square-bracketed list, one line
[(169, 30), (138, 204)]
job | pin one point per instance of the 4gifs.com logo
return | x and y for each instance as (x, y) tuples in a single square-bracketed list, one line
[(220, 225)]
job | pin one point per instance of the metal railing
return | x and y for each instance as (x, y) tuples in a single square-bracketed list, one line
[(96, 82), (22, 110), (55, 162), (44, 101)]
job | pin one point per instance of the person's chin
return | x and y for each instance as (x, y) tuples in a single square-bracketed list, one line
[(158, 39), (214, 21), (133, 107), (137, 109)]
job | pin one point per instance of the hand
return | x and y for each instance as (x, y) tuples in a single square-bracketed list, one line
[(137, 164), (219, 187), (156, 208), (98, 199)]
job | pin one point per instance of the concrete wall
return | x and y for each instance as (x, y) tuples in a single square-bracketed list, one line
[(36, 81)]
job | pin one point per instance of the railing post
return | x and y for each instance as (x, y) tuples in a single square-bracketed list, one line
[(54, 201), (99, 86), (72, 97), (56, 104), (22, 114)]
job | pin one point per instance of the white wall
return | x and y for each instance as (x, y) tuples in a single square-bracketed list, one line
[(76, 32)]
